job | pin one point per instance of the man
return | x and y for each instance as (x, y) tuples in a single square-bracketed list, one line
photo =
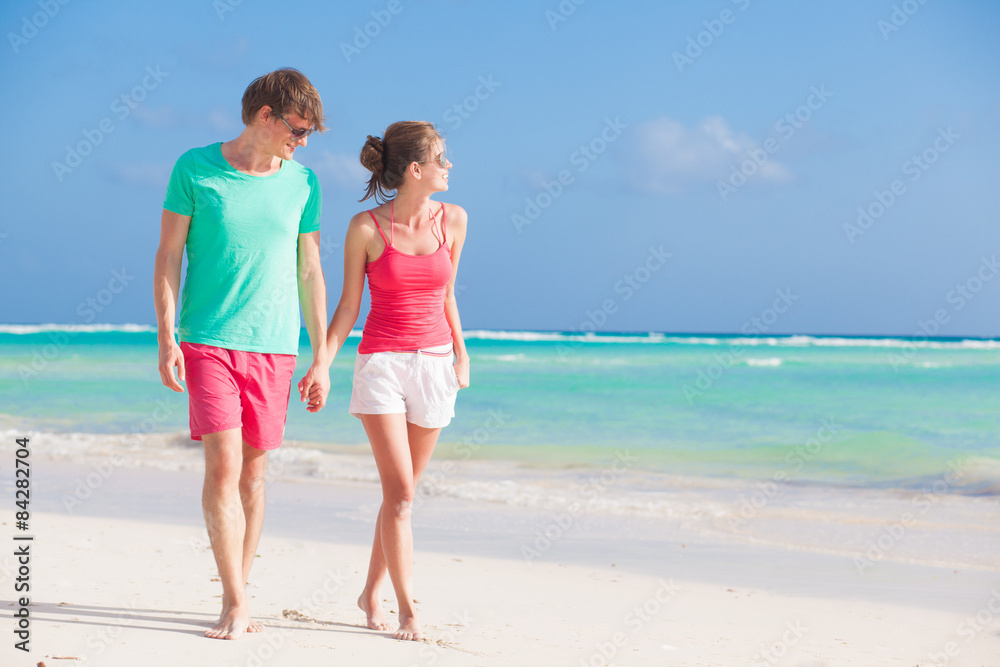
[(249, 216)]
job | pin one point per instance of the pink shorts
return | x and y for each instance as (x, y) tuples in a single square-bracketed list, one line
[(235, 389)]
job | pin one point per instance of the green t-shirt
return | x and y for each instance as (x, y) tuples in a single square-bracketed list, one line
[(241, 287)]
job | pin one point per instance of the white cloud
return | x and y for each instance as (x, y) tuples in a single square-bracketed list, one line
[(343, 172), (667, 158)]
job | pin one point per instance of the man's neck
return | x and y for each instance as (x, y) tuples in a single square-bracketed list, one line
[(246, 154)]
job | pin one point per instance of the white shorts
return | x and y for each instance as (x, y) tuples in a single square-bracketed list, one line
[(421, 386)]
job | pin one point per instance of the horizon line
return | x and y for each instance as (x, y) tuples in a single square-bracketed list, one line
[(130, 327)]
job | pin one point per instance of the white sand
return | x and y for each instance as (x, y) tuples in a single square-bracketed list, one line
[(127, 580)]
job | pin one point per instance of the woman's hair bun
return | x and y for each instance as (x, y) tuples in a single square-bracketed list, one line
[(372, 155)]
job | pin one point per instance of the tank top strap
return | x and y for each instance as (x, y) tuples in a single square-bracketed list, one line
[(444, 237), (379, 228), (392, 221)]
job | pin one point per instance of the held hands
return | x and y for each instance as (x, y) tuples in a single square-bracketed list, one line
[(170, 356), (315, 387), (462, 372)]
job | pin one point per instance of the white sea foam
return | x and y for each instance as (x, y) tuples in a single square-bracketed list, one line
[(557, 337), (601, 338), (74, 328), (773, 361), (509, 357), (505, 482), (956, 530), (735, 341)]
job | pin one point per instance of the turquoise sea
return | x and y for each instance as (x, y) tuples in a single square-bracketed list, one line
[(834, 411)]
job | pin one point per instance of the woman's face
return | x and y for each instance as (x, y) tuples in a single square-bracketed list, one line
[(435, 167)]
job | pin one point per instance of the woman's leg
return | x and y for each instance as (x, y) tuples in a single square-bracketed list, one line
[(402, 451), (369, 599)]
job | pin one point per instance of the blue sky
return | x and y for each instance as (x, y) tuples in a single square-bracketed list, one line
[(827, 168)]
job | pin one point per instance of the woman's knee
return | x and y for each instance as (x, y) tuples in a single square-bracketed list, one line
[(398, 501)]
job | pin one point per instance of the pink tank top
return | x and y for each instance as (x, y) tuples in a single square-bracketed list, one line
[(407, 297)]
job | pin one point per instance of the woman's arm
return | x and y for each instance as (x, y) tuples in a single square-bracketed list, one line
[(359, 235), (458, 221)]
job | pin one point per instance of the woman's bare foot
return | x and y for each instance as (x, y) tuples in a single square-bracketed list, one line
[(409, 629), (373, 611), (255, 626), (233, 622)]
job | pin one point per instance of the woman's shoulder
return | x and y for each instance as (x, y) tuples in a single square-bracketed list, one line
[(455, 215), (361, 224), (364, 218)]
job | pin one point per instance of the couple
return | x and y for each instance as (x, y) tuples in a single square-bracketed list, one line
[(249, 216)]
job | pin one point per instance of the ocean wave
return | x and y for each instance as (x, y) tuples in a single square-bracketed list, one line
[(659, 338), (773, 361), (736, 340), (821, 341), (571, 497), (577, 489), (509, 357), (22, 329), (557, 337)]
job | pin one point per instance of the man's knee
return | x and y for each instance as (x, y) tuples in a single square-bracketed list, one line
[(251, 483), (222, 473), (223, 459), (252, 474)]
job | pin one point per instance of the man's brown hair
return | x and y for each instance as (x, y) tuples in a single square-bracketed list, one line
[(285, 90)]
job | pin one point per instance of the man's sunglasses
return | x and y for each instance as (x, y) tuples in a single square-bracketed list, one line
[(297, 134)]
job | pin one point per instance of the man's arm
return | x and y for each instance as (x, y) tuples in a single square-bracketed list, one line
[(315, 386), (166, 288)]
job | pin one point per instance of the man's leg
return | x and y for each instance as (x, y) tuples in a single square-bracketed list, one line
[(252, 499), (227, 528)]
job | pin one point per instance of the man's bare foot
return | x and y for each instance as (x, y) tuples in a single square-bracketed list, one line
[(373, 611), (255, 626), (409, 629), (233, 622)]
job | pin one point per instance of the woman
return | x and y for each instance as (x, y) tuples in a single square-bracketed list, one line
[(404, 379)]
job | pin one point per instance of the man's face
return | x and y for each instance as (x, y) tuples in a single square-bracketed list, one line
[(282, 132)]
